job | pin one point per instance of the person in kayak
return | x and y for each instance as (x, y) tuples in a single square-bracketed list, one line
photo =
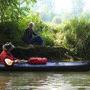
[(6, 57), (30, 37)]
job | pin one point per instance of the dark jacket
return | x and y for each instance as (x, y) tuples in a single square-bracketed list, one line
[(28, 35)]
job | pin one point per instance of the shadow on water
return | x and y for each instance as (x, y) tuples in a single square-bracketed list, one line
[(45, 81)]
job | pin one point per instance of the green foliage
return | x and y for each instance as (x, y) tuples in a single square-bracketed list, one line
[(75, 35), (48, 37), (12, 10), (9, 32), (11, 13), (43, 29)]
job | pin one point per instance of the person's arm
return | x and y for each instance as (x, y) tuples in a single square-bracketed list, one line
[(34, 33), (16, 61), (25, 35), (26, 32)]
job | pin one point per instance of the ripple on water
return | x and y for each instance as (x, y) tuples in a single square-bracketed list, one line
[(45, 81)]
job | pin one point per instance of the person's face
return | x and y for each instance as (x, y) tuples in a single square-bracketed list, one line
[(31, 26), (10, 49)]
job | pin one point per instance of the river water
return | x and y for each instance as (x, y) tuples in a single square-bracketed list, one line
[(44, 80)]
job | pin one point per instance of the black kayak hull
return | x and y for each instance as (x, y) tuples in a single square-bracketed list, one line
[(50, 66)]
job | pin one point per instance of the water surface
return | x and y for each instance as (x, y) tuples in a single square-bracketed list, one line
[(44, 80)]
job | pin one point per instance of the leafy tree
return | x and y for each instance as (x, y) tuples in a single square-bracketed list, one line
[(11, 12)]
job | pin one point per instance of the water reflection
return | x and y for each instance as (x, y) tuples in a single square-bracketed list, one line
[(4, 80), (45, 81)]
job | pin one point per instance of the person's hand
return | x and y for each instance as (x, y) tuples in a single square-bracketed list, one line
[(17, 61)]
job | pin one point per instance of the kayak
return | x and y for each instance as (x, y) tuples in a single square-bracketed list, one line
[(49, 66)]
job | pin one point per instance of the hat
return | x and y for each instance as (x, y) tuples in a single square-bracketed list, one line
[(8, 46), (8, 62)]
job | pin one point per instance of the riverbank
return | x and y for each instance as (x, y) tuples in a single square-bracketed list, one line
[(52, 53)]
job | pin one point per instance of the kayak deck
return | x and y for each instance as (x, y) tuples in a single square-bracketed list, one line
[(49, 66)]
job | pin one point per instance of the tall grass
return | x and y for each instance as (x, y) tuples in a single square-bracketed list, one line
[(75, 35)]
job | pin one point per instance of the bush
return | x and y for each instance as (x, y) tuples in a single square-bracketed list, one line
[(9, 32), (75, 35)]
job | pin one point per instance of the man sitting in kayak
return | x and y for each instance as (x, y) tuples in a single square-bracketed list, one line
[(6, 57), (30, 37)]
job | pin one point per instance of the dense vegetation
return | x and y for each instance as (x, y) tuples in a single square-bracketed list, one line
[(73, 34)]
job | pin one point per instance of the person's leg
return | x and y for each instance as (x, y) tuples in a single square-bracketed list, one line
[(38, 41)]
